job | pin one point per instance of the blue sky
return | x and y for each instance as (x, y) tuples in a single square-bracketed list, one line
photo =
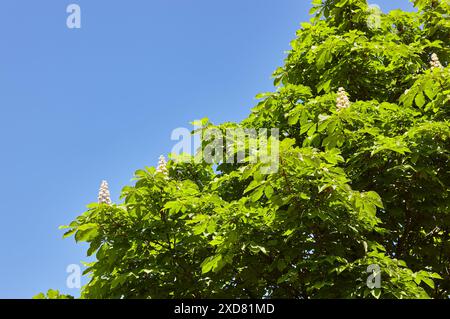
[(79, 106)]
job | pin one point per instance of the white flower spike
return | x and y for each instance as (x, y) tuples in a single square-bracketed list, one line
[(104, 196), (435, 63), (342, 101), (162, 166)]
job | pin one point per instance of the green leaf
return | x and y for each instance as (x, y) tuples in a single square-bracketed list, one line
[(376, 293), (324, 56), (211, 228), (428, 281), (268, 191), (306, 127), (87, 232), (200, 228), (211, 263), (420, 100), (256, 249), (257, 194), (254, 184), (69, 233), (374, 198)]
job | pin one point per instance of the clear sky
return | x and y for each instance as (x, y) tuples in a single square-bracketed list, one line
[(81, 105)]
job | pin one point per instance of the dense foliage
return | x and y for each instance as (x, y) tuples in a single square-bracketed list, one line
[(359, 185)]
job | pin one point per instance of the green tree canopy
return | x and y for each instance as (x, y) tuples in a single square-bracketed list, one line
[(363, 179)]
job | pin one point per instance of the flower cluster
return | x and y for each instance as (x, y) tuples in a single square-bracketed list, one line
[(162, 166), (342, 101), (103, 195), (435, 63)]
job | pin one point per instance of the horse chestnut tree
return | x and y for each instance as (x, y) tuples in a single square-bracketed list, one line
[(363, 179)]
